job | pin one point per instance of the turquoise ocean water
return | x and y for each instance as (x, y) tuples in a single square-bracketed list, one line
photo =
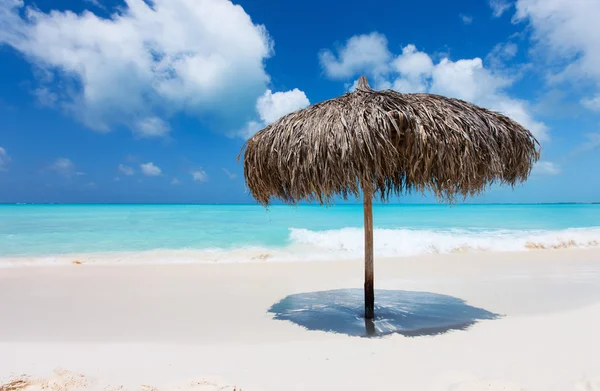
[(285, 232)]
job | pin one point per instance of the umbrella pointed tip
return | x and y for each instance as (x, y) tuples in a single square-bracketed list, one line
[(363, 83)]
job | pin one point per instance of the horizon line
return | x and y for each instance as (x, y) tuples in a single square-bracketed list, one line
[(299, 204)]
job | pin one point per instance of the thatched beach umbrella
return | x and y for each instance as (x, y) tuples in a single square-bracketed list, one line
[(384, 143)]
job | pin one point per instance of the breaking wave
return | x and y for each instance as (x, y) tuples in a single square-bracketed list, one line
[(348, 242), (340, 244)]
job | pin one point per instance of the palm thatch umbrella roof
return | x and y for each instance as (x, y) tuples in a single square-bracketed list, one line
[(386, 143)]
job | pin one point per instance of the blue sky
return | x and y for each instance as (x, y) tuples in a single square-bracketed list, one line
[(134, 101)]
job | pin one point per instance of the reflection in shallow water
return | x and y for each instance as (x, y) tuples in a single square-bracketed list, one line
[(402, 312)]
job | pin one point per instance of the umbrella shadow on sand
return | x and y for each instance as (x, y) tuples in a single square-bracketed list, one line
[(411, 314)]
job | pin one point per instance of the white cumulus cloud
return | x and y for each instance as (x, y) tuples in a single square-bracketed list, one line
[(125, 170), (415, 67), (467, 79), (144, 63), (4, 159), (175, 181), (366, 53), (272, 106), (199, 175), (568, 32), (149, 169)]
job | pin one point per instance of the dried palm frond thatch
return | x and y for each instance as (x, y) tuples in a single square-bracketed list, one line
[(395, 143), (386, 143)]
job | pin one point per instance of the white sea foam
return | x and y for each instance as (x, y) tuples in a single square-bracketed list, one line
[(349, 242), (345, 243)]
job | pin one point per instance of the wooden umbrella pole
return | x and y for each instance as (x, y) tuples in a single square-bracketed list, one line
[(369, 287)]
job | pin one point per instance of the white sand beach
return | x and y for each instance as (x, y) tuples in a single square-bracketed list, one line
[(207, 326)]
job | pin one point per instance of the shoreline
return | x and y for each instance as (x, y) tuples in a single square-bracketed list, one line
[(237, 256)]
